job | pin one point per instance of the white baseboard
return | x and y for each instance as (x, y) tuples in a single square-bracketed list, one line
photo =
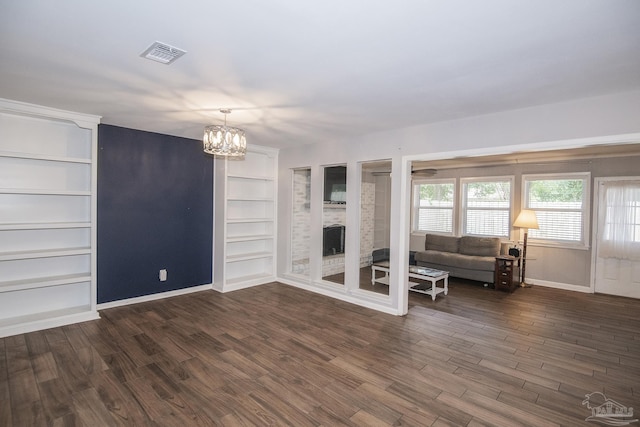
[(46, 323), (558, 285), (154, 297), (340, 296), (243, 285)]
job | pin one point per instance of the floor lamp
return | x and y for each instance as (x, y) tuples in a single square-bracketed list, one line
[(527, 219)]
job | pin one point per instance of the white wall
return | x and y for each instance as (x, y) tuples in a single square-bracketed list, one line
[(605, 119)]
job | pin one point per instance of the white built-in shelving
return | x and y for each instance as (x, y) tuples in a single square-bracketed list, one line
[(245, 201), (47, 217)]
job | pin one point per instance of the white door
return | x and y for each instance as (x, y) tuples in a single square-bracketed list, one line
[(617, 271)]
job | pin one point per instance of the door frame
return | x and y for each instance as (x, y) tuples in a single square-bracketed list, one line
[(596, 222)]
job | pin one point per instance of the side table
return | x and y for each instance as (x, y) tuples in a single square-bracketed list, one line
[(503, 279)]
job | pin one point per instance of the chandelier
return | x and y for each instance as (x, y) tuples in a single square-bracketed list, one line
[(223, 140)]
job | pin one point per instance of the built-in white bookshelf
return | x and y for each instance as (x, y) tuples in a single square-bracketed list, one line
[(245, 226), (47, 217)]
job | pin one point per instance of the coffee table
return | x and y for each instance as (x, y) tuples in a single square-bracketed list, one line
[(380, 266), (431, 275)]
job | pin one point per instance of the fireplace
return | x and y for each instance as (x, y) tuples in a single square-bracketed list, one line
[(333, 240)]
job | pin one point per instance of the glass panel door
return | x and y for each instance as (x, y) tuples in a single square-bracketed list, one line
[(375, 208), (334, 220), (301, 221)]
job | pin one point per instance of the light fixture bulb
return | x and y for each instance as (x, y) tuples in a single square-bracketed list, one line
[(223, 140)]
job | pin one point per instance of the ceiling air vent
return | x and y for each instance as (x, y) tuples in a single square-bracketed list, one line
[(163, 53)]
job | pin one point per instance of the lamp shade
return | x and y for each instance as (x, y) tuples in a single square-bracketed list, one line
[(526, 219)]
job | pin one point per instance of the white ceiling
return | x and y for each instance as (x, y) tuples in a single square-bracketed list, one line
[(299, 72)]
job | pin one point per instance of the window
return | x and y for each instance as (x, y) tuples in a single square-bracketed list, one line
[(433, 206), (561, 205), (620, 218), (486, 206)]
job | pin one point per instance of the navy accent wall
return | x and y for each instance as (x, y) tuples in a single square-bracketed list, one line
[(155, 211)]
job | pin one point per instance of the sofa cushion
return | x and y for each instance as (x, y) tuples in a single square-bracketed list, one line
[(456, 260), (486, 263), (434, 242), (379, 255), (480, 246)]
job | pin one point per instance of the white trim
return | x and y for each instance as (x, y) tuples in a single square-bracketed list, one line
[(586, 207), (597, 182), (153, 297), (340, 296), (382, 298), (249, 283), (400, 258), (533, 147), (404, 228), (415, 204), (82, 120), (558, 285), (462, 215), (53, 322), (94, 218), (595, 206), (291, 208), (556, 245)]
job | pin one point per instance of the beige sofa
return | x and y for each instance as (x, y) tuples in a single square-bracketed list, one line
[(467, 257)]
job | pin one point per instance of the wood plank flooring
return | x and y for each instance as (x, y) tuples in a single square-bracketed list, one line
[(277, 355)]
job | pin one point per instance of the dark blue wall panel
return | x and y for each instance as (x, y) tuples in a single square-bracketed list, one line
[(155, 211)]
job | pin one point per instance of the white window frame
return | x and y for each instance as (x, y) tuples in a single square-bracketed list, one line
[(463, 203), (415, 206), (586, 208)]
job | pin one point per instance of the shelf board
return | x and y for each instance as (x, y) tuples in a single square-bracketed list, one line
[(250, 199), (249, 256), (48, 160), (43, 225), (249, 238), (45, 192), (247, 220), (384, 280), (249, 278), (43, 282), (45, 157), (251, 177), (48, 253), (334, 206), (48, 319)]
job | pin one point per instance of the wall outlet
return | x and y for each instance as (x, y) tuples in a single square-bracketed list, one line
[(163, 275)]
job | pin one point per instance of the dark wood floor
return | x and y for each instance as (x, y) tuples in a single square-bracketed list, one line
[(276, 355)]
